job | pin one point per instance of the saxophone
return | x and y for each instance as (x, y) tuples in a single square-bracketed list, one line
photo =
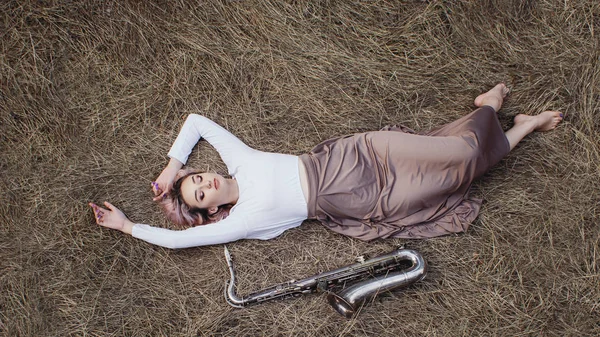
[(379, 274)]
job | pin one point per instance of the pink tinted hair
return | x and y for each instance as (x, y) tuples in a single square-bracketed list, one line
[(180, 213)]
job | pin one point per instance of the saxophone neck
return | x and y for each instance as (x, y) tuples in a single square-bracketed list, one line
[(228, 258), (230, 295)]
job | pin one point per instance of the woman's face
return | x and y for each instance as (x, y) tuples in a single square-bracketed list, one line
[(205, 190)]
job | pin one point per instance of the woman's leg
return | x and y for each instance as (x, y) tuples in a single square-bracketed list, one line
[(524, 124)]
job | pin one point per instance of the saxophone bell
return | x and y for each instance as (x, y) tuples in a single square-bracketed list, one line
[(349, 300)]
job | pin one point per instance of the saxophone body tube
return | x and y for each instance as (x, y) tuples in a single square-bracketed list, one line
[(379, 274)]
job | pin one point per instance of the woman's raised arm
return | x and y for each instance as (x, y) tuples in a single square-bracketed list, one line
[(196, 127), (230, 148)]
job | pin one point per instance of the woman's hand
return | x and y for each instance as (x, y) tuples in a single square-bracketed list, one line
[(165, 180), (111, 217)]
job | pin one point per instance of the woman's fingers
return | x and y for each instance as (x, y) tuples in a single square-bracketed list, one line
[(158, 189), (160, 197), (95, 208), (159, 192), (109, 206), (99, 212)]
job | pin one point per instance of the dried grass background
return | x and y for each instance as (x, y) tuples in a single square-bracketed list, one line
[(93, 93)]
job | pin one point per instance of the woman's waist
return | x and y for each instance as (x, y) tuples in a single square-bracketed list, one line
[(350, 177), (308, 181), (303, 180)]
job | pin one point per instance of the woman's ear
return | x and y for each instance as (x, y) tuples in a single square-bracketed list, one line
[(212, 210)]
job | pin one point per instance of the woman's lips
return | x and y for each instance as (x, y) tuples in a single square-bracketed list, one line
[(215, 183)]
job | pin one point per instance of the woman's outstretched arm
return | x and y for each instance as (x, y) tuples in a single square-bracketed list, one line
[(224, 231)]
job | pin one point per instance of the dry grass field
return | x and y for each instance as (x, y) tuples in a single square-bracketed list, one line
[(93, 93)]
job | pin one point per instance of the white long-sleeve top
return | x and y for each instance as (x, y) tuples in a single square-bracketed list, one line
[(270, 196)]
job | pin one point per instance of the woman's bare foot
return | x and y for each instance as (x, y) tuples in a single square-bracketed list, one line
[(546, 121), (493, 98), (525, 124)]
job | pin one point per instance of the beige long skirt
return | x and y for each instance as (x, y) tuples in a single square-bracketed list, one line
[(395, 183)]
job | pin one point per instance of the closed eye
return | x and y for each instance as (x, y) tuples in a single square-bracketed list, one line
[(201, 195), (196, 178)]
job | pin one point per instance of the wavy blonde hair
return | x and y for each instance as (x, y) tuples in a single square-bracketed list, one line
[(178, 212)]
